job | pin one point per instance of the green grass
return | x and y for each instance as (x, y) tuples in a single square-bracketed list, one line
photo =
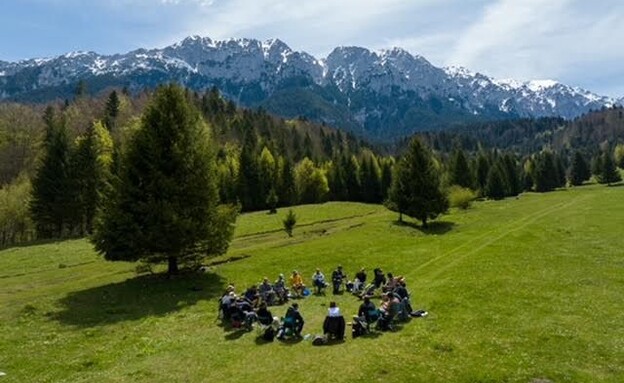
[(518, 290)]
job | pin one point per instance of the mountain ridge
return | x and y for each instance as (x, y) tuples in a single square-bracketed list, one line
[(382, 94)]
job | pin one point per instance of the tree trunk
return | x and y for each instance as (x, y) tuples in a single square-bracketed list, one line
[(173, 265), (401, 217), (424, 221)]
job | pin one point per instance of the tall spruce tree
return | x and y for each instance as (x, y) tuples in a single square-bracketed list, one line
[(53, 196), (164, 207), (496, 185), (609, 173), (459, 171), (249, 175), (416, 189), (579, 171), (91, 172), (112, 110), (546, 177), (482, 171)]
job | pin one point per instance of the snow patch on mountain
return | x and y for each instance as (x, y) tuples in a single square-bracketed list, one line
[(260, 68)]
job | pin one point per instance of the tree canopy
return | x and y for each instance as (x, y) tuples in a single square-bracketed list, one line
[(164, 207)]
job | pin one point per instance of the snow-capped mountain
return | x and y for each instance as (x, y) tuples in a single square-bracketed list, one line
[(383, 94)]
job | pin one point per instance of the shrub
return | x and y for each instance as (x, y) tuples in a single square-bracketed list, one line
[(460, 197), (289, 222)]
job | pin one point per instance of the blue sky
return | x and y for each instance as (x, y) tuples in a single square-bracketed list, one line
[(578, 42)]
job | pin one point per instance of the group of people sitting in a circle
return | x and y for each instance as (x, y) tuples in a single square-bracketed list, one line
[(252, 307)]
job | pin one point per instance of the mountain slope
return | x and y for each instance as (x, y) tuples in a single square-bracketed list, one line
[(384, 95)]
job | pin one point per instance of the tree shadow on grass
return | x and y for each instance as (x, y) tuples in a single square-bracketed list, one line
[(433, 228), (137, 298)]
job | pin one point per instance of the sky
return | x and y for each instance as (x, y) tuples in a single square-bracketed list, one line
[(577, 42)]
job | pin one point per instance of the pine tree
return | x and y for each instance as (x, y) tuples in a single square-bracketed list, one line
[(496, 187), (371, 182), (545, 173), (249, 176), (579, 172), (512, 179), (52, 204), (482, 171), (415, 189), (91, 173), (459, 171), (112, 110), (287, 192), (351, 171), (164, 207), (609, 173), (289, 222)]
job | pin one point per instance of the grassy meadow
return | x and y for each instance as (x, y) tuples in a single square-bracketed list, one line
[(520, 290)]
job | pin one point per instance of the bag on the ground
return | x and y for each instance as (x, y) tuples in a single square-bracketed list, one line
[(419, 313), (319, 340)]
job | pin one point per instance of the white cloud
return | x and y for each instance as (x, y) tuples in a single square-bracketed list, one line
[(560, 39)]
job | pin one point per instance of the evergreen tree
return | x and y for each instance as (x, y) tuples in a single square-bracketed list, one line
[(459, 171), (596, 166), (545, 173), (52, 204), (512, 179), (112, 110), (249, 176), (482, 171), (164, 207), (351, 171), (91, 173), (579, 172), (609, 173), (415, 189), (287, 191), (336, 180), (289, 222), (371, 182), (496, 186), (386, 176)]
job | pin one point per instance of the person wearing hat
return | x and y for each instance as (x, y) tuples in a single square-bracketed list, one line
[(296, 283), (337, 277)]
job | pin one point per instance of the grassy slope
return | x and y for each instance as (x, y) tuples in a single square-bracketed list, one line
[(517, 290)]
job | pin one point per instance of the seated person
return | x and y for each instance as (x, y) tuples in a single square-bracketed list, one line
[(368, 311), (263, 315), (337, 277), (388, 310), (359, 282), (225, 305), (401, 290), (378, 279), (318, 279), (266, 291), (243, 313), (392, 283), (334, 324), (252, 295), (292, 323), (279, 287), (296, 283)]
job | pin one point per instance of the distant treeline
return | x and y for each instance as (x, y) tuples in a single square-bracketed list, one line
[(58, 160)]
